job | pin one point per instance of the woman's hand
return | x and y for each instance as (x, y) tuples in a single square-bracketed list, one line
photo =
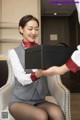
[(48, 72), (52, 71), (39, 73)]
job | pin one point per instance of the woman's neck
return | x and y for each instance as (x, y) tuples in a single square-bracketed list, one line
[(29, 44)]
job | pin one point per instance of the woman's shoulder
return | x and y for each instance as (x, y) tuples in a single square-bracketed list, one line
[(11, 53)]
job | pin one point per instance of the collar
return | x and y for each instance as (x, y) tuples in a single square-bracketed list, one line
[(29, 44)]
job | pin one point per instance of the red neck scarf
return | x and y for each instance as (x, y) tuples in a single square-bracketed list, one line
[(29, 44)]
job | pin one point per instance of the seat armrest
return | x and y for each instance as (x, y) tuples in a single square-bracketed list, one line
[(60, 92), (5, 92)]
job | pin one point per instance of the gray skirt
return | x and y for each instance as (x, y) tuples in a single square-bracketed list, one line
[(15, 99)]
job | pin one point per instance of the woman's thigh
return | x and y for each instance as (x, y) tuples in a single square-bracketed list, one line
[(22, 111), (53, 110)]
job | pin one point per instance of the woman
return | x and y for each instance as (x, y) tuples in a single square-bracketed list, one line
[(28, 99)]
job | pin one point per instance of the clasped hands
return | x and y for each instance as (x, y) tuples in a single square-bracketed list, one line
[(52, 71)]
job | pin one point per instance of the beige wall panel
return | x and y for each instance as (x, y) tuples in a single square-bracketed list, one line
[(7, 46), (12, 11)]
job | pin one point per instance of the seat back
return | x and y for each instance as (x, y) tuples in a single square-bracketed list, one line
[(6, 90), (3, 72)]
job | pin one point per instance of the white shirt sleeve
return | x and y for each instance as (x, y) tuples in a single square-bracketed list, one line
[(18, 70), (76, 56)]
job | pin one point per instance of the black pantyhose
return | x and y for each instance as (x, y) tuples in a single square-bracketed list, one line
[(42, 111)]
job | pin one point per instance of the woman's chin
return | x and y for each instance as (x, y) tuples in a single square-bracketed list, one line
[(32, 40)]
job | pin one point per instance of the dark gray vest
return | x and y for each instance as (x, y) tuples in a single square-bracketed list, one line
[(27, 92)]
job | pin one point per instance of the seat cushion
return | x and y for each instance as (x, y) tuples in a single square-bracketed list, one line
[(51, 99)]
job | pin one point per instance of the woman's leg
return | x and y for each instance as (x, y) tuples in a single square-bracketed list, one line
[(53, 110), (22, 111)]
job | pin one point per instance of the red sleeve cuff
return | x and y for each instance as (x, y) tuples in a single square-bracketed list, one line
[(72, 66), (33, 76)]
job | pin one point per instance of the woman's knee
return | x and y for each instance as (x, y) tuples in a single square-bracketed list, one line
[(43, 115), (56, 113)]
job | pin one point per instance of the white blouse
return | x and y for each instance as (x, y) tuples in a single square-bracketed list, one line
[(18, 70), (76, 56), (73, 63)]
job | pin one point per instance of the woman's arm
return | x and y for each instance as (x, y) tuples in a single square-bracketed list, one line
[(19, 71), (17, 68), (56, 70), (73, 64)]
